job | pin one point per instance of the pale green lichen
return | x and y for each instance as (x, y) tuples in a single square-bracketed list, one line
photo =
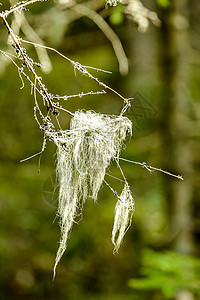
[(124, 210), (83, 155)]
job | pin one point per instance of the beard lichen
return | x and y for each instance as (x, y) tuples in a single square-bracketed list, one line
[(84, 152), (124, 210)]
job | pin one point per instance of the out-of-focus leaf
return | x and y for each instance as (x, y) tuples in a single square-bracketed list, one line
[(164, 3), (169, 273), (117, 16)]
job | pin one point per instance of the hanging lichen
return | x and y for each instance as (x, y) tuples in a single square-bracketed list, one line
[(83, 155), (124, 210)]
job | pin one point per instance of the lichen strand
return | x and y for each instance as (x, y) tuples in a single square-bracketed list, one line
[(83, 155), (124, 210)]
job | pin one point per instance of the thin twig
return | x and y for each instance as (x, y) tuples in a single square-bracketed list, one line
[(115, 177), (113, 191), (31, 34), (18, 7), (28, 63), (63, 109), (116, 160), (150, 168), (58, 122), (67, 97), (62, 55), (81, 68), (30, 157)]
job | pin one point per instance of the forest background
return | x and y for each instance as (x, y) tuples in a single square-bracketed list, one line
[(159, 258)]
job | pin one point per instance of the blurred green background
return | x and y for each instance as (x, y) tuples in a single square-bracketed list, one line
[(159, 258)]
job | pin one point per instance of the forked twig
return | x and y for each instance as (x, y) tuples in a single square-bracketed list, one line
[(30, 157), (38, 153), (80, 67), (116, 160), (19, 7)]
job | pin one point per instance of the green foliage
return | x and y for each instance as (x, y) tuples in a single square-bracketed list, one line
[(117, 16), (164, 3), (168, 272)]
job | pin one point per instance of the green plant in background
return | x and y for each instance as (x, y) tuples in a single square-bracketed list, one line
[(164, 3), (135, 11), (168, 272)]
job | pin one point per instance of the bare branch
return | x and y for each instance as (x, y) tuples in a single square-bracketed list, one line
[(80, 67), (150, 168), (19, 7)]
